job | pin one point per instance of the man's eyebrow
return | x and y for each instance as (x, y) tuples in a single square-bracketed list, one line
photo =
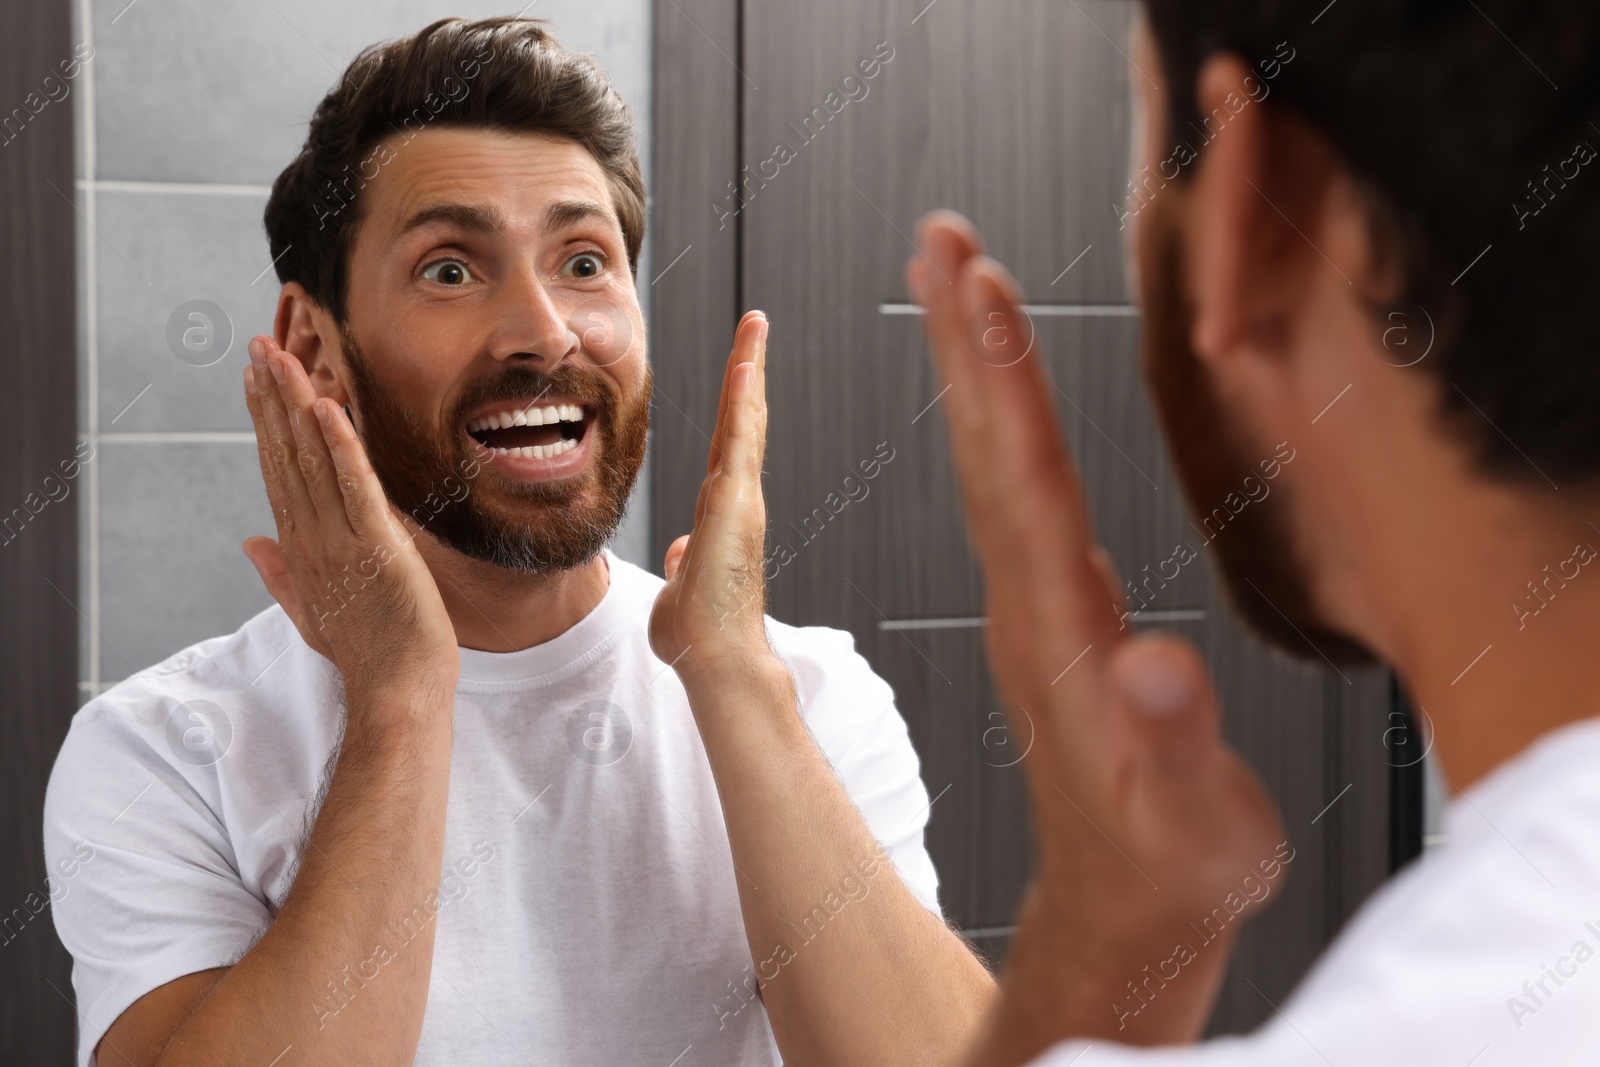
[(565, 213), (475, 219), (467, 217)]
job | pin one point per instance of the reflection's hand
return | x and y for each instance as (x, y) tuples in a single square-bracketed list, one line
[(343, 567), (709, 616), (1131, 786)]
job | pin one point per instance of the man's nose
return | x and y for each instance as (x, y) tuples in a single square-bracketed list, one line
[(532, 326)]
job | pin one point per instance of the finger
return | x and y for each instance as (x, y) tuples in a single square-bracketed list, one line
[(1169, 708), (276, 497), (730, 533), (945, 242), (1115, 595), (281, 437), (311, 448), (1023, 497), (735, 357), (733, 521), (674, 558), (744, 440), (748, 342), (360, 493), (266, 555)]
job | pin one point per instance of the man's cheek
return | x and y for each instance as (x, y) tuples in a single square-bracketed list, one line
[(607, 332)]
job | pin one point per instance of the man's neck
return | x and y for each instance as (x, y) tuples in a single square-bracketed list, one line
[(1491, 624), (498, 610)]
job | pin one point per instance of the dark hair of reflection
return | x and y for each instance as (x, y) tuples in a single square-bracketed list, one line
[(1481, 178)]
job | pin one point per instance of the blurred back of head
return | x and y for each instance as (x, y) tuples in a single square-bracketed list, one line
[(1470, 126)]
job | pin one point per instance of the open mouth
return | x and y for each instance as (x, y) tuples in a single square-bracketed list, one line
[(532, 431)]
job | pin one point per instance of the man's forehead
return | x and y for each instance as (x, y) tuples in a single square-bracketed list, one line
[(523, 179)]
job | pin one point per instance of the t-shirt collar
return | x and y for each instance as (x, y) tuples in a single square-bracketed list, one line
[(561, 656)]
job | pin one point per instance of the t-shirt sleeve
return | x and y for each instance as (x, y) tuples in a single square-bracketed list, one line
[(852, 716), (143, 882)]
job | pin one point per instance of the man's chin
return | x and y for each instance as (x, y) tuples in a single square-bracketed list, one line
[(529, 537), (1306, 638)]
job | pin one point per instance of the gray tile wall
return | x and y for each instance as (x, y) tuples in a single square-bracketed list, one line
[(187, 110)]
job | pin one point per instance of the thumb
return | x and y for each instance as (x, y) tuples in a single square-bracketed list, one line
[(675, 554), (1170, 705), (267, 557)]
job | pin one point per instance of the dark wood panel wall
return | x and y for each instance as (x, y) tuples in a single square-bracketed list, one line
[(38, 511), (797, 145), (694, 297)]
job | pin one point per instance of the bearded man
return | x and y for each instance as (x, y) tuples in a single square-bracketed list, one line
[(476, 790)]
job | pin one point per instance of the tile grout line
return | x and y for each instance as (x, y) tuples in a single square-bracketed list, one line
[(161, 437), (92, 340), (115, 185)]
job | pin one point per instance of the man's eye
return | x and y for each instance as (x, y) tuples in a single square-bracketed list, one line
[(447, 272), (584, 265)]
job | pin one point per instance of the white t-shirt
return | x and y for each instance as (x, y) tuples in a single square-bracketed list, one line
[(1485, 952), (588, 911)]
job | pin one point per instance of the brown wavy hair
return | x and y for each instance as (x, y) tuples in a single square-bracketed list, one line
[(505, 74)]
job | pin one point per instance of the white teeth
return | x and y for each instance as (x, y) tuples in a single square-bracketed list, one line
[(531, 416), (549, 451)]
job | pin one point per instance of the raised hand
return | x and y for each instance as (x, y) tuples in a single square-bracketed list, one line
[(344, 567), (1145, 820), (710, 615)]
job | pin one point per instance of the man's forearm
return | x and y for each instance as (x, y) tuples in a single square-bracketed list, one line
[(342, 973), (852, 968)]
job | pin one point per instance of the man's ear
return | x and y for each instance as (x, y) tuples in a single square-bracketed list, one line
[(305, 329), (1257, 246)]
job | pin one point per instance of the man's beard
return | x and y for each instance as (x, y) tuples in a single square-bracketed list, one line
[(443, 483), (1258, 557)]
